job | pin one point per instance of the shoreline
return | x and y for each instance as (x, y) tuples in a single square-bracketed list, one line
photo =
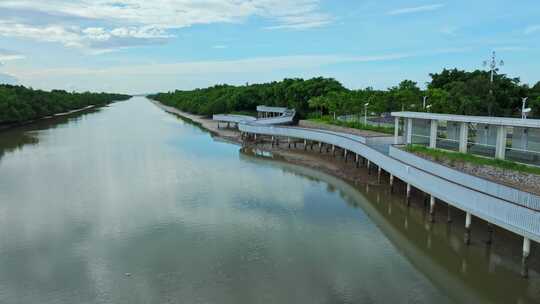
[(323, 162), (337, 167), (315, 161), (57, 115), (205, 123)]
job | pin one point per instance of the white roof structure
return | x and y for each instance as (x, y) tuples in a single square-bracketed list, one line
[(271, 109), (499, 121)]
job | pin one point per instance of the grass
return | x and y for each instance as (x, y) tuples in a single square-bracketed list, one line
[(440, 155), (354, 125)]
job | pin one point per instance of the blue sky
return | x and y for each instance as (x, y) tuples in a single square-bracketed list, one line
[(137, 46)]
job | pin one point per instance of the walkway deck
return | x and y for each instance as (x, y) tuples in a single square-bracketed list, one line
[(514, 210)]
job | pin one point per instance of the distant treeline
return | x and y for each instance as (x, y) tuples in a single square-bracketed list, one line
[(20, 104), (450, 91)]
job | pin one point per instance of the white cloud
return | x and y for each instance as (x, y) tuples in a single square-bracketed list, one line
[(192, 74), (220, 46), (185, 75), (93, 38), (7, 55), (532, 29), (416, 9), (106, 24), (299, 26), (8, 79), (259, 64)]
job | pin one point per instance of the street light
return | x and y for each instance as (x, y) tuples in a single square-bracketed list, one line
[(493, 64), (524, 111), (365, 112)]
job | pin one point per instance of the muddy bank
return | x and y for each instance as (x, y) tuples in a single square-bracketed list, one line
[(208, 124), (506, 245), (310, 157)]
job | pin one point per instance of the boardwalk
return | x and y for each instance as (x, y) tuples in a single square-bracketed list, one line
[(511, 209)]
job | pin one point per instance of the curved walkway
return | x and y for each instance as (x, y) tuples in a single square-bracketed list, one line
[(502, 211)]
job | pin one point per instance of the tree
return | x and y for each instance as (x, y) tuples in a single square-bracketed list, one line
[(19, 104), (318, 103), (407, 95)]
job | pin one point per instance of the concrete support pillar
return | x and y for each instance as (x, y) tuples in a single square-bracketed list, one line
[(449, 214), (369, 167), (468, 220), (463, 137), (289, 141), (305, 145), (432, 208), (379, 171), (396, 130), (345, 154), (408, 140), (525, 258), (500, 146), (333, 150), (273, 141), (489, 239), (357, 160), (228, 125), (408, 195), (433, 134), (391, 183), (320, 147)]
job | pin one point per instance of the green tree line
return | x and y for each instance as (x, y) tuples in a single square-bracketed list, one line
[(450, 91), (20, 104)]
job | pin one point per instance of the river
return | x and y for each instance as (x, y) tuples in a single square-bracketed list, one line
[(129, 204)]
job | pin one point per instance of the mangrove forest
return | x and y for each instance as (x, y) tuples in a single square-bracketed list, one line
[(451, 91), (19, 104)]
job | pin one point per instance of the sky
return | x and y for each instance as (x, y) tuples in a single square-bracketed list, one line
[(143, 46)]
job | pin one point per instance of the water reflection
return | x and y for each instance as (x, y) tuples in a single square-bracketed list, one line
[(12, 139), (470, 274), (132, 189)]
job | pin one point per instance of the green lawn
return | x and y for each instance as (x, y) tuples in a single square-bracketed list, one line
[(354, 125), (440, 155)]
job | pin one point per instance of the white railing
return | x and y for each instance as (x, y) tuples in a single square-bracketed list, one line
[(271, 109), (233, 118), (510, 215), (286, 117)]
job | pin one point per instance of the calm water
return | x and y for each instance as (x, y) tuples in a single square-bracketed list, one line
[(132, 205)]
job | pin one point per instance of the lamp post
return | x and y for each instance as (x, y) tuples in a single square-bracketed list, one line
[(524, 110), (493, 64), (365, 112)]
